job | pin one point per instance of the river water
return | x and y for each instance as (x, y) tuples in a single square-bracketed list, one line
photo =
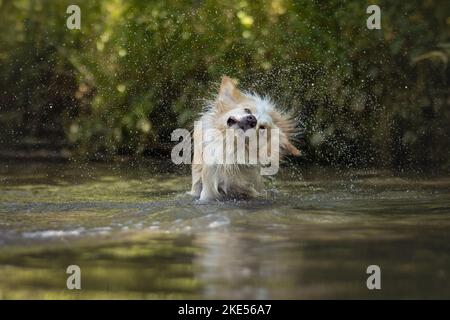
[(135, 234)]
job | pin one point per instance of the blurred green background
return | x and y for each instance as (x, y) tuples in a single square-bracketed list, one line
[(139, 69)]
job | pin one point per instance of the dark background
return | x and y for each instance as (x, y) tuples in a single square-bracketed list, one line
[(139, 69)]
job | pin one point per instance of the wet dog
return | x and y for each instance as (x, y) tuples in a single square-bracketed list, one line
[(234, 115)]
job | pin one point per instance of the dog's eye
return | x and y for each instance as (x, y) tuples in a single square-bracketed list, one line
[(247, 110), (231, 121), (262, 127)]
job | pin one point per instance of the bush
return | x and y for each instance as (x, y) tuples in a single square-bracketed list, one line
[(136, 70)]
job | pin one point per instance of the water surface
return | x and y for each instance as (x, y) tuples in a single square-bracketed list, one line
[(136, 234)]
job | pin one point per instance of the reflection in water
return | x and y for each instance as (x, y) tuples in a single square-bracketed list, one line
[(135, 234)]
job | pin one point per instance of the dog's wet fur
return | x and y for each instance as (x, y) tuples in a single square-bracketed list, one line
[(234, 109)]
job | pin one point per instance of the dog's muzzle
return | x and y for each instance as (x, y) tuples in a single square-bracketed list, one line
[(247, 122)]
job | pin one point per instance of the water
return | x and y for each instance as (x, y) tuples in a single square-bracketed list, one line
[(135, 234)]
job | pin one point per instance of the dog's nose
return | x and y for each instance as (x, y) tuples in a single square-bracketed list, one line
[(251, 120), (248, 122)]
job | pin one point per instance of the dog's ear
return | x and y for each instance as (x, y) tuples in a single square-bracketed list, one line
[(228, 93), (293, 150), (286, 126)]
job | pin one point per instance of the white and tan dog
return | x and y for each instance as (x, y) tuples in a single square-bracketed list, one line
[(246, 113)]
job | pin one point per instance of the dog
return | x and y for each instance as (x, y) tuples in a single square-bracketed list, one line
[(241, 113)]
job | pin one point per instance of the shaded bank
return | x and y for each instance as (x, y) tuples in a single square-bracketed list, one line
[(136, 71)]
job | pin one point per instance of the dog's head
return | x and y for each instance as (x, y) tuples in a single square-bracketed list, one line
[(247, 111)]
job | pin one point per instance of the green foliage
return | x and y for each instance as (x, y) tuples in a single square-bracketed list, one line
[(138, 69)]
